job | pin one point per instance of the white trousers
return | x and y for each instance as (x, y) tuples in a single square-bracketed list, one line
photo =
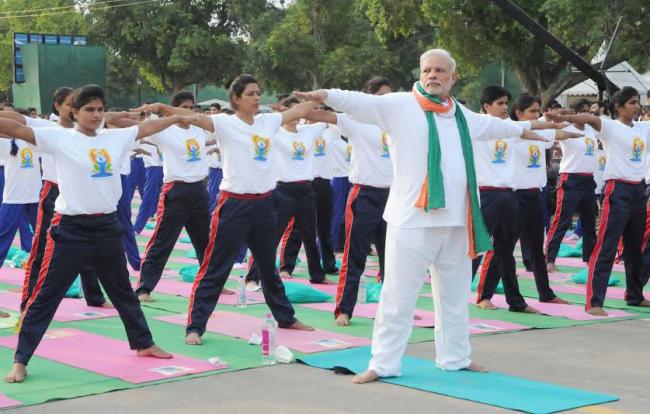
[(409, 253)]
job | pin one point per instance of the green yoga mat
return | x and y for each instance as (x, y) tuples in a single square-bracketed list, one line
[(490, 388)]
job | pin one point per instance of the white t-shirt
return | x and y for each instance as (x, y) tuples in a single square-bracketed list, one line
[(153, 160), (87, 167), (370, 163), (579, 155), (530, 161), (47, 162), (22, 173), (183, 153), (600, 170), (495, 162), (323, 157), (214, 158), (247, 152), (626, 149), (296, 154), (400, 115), (341, 155)]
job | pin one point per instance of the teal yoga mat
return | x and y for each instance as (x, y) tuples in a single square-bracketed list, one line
[(490, 388)]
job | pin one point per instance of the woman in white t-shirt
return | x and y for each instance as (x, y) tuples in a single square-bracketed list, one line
[(245, 210), (625, 143), (85, 228)]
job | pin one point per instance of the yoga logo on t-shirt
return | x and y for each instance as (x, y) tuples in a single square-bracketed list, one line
[(384, 145), (637, 149), (26, 158), (589, 147), (320, 146), (534, 156), (500, 148), (261, 145), (193, 150), (298, 151), (601, 163), (101, 160), (348, 153)]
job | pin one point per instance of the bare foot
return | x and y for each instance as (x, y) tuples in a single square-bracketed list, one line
[(299, 326), (365, 377), (225, 291), (17, 374), (596, 311), (486, 304), (193, 338), (145, 297), (285, 275), (558, 300), (154, 351), (417, 317), (106, 304), (645, 303), (343, 320), (474, 367), (4, 314), (530, 309), (550, 267)]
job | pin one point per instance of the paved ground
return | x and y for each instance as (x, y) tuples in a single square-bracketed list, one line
[(612, 358)]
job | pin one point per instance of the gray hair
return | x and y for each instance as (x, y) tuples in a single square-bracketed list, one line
[(442, 53)]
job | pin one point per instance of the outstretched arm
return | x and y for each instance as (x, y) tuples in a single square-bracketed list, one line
[(202, 121), (321, 116), (548, 125), (14, 116), (14, 129), (299, 111), (153, 126), (588, 119)]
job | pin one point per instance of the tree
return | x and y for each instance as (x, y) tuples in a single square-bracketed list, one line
[(175, 43), (317, 43), (33, 16), (477, 32)]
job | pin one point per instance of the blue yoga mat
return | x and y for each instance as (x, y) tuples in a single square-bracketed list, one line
[(491, 388)]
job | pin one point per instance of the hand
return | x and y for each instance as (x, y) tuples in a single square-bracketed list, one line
[(148, 108), (317, 96), (277, 107), (555, 117), (531, 136), (561, 135), (141, 151)]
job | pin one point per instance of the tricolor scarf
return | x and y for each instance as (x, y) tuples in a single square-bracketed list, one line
[(432, 194)]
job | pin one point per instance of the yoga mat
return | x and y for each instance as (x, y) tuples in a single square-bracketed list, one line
[(329, 289), (110, 357), (577, 262), (371, 273), (12, 275), (243, 326), (476, 326), (558, 277), (9, 322), (612, 292), (6, 402), (573, 312), (492, 388), (69, 310), (184, 289), (183, 260)]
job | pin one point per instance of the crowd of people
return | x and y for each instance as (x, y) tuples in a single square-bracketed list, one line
[(435, 187)]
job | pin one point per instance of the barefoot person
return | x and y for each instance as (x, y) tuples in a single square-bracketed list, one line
[(85, 228), (432, 212), (371, 174), (624, 203), (245, 211)]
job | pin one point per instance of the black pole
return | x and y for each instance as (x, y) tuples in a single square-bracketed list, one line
[(554, 43)]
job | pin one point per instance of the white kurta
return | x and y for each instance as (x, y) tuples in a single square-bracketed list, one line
[(417, 240)]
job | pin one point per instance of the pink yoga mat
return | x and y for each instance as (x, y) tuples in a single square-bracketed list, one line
[(13, 276), (110, 357), (178, 288), (6, 402), (577, 262), (243, 326), (573, 312), (371, 273), (369, 310), (612, 292), (69, 309), (553, 277)]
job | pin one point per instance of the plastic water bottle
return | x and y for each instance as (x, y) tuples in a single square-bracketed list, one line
[(361, 294), (269, 327), (241, 292)]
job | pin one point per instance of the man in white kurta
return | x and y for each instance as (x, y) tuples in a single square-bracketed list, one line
[(417, 240)]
